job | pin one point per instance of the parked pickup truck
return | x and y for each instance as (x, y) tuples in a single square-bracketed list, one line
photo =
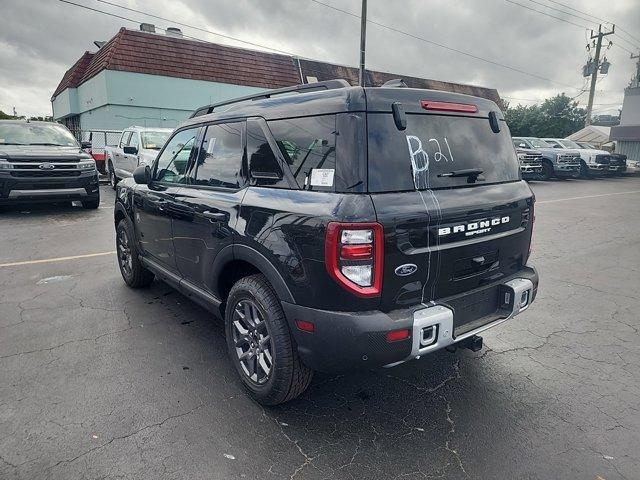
[(530, 163), (137, 146), (43, 162), (592, 161), (560, 164)]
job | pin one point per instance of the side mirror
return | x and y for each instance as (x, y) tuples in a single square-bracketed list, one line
[(84, 145), (130, 150), (142, 175)]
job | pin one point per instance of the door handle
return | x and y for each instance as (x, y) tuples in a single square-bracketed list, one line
[(215, 216)]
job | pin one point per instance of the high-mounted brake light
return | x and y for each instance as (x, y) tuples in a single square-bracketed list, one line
[(354, 255), (449, 107)]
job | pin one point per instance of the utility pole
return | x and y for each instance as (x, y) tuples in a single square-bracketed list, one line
[(636, 81), (363, 41), (596, 67)]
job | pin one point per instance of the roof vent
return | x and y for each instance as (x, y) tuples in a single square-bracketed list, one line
[(174, 32), (99, 43), (148, 27)]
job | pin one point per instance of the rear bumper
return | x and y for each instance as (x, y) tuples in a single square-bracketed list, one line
[(348, 340), (617, 168), (25, 189)]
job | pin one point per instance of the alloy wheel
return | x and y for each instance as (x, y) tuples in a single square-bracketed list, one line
[(124, 252), (252, 341)]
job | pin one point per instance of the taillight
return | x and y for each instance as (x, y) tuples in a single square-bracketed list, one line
[(353, 256), (449, 107)]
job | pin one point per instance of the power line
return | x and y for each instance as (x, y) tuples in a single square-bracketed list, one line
[(547, 14), (128, 19), (595, 17), (186, 25), (633, 45), (431, 42), (561, 11), (623, 48)]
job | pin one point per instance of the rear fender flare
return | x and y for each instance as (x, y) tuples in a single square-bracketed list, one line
[(258, 260)]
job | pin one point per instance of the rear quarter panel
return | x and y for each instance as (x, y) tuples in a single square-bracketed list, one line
[(288, 228)]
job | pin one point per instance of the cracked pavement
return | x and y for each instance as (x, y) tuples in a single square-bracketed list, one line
[(98, 381)]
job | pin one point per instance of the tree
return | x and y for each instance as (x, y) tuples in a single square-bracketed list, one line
[(558, 116), (6, 116)]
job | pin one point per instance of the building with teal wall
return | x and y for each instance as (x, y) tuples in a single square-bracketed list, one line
[(153, 80)]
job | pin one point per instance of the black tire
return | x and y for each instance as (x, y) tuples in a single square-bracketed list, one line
[(584, 170), (91, 204), (547, 170), (131, 268), (113, 178), (288, 377)]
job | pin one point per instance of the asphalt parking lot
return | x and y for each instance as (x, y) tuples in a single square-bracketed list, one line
[(99, 381)]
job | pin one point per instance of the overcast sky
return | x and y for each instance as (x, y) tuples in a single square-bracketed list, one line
[(41, 39)]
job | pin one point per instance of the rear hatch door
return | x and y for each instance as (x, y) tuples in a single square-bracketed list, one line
[(445, 235)]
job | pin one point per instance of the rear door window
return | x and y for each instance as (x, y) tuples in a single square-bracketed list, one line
[(221, 157), (309, 148), (432, 147)]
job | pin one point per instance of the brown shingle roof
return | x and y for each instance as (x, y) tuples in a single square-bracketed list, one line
[(154, 54), (73, 77), (141, 52)]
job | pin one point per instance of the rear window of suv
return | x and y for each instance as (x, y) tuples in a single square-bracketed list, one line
[(432, 145), (308, 144)]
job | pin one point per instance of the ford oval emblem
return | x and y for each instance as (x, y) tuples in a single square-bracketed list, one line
[(406, 269)]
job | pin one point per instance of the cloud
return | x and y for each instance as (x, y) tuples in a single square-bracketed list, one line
[(41, 39)]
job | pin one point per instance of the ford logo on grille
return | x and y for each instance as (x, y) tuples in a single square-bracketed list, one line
[(46, 166), (406, 269)]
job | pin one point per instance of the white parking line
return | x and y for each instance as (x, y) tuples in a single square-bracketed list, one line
[(58, 259), (587, 196)]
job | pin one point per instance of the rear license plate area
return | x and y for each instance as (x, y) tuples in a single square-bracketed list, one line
[(475, 309)]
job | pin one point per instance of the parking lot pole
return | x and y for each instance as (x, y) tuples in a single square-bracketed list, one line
[(363, 39)]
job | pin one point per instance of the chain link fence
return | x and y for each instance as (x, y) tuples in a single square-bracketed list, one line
[(99, 139)]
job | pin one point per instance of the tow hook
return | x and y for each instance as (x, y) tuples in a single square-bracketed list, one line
[(472, 343)]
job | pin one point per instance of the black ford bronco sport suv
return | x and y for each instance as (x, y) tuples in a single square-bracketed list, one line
[(335, 227)]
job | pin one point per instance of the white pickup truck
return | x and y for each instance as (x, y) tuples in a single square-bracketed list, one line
[(592, 160), (137, 146)]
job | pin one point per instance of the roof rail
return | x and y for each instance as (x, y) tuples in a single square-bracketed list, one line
[(303, 88)]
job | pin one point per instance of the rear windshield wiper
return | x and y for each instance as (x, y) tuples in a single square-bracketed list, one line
[(472, 174)]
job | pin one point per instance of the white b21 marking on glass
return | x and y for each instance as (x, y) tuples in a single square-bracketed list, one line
[(420, 158)]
